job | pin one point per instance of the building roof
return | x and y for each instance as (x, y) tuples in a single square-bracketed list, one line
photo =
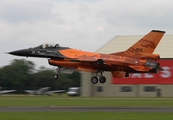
[(122, 43)]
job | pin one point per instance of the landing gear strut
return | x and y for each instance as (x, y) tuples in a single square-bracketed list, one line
[(62, 70), (55, 76)]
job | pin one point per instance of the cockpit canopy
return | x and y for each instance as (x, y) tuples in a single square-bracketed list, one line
[(49, 45)]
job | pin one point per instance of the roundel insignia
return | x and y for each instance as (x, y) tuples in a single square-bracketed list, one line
[(136, 61)]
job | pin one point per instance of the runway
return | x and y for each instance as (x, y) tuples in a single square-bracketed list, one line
[(82, 109)]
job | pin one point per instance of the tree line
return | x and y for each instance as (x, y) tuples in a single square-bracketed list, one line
[(21, 74)]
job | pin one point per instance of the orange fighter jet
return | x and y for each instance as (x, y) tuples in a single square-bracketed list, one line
[(139, 58)]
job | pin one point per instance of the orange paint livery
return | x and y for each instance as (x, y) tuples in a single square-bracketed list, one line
[(139, 58)]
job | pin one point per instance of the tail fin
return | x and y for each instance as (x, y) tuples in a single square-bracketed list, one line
[(148, 43), (145, 46)]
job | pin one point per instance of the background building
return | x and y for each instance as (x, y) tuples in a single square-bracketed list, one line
[(137, 85)]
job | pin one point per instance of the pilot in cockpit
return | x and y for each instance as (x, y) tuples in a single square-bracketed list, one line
[(46, 45)]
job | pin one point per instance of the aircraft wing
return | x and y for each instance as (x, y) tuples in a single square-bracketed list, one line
[(98, 61), (56, 91), (84, 60), (30, 91), (6, 91)]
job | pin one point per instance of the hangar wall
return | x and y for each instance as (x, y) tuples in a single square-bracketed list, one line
[(121, 43)]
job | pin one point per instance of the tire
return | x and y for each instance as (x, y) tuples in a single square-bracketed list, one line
[(55, 76), (94, 80), (102, 79)]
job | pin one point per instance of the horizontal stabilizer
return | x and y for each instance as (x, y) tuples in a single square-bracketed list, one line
[(140, 68)]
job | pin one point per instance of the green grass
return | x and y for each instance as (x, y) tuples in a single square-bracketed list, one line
[(84, 116), (86, 102)]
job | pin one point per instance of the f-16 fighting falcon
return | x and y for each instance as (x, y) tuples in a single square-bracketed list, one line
[(138, 58)]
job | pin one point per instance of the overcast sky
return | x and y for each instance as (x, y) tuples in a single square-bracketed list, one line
[(80, 24)]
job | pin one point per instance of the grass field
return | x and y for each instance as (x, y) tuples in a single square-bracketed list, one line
[(86, 102), (84, 116)]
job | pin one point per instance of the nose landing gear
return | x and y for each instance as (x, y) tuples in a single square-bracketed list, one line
[(62, 70), (55, 76)]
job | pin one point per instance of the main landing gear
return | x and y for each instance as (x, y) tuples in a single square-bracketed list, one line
[(95, 79)]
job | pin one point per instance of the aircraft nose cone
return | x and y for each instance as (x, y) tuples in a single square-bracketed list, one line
[(23, 52)]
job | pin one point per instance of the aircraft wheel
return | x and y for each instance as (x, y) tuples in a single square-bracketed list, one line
[(94, 80), (55, 76), (102, 79)]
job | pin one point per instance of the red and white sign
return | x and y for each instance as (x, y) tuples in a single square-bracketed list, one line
[(163, 77)]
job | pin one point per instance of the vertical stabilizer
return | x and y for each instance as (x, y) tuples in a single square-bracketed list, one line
[(148, 43)]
